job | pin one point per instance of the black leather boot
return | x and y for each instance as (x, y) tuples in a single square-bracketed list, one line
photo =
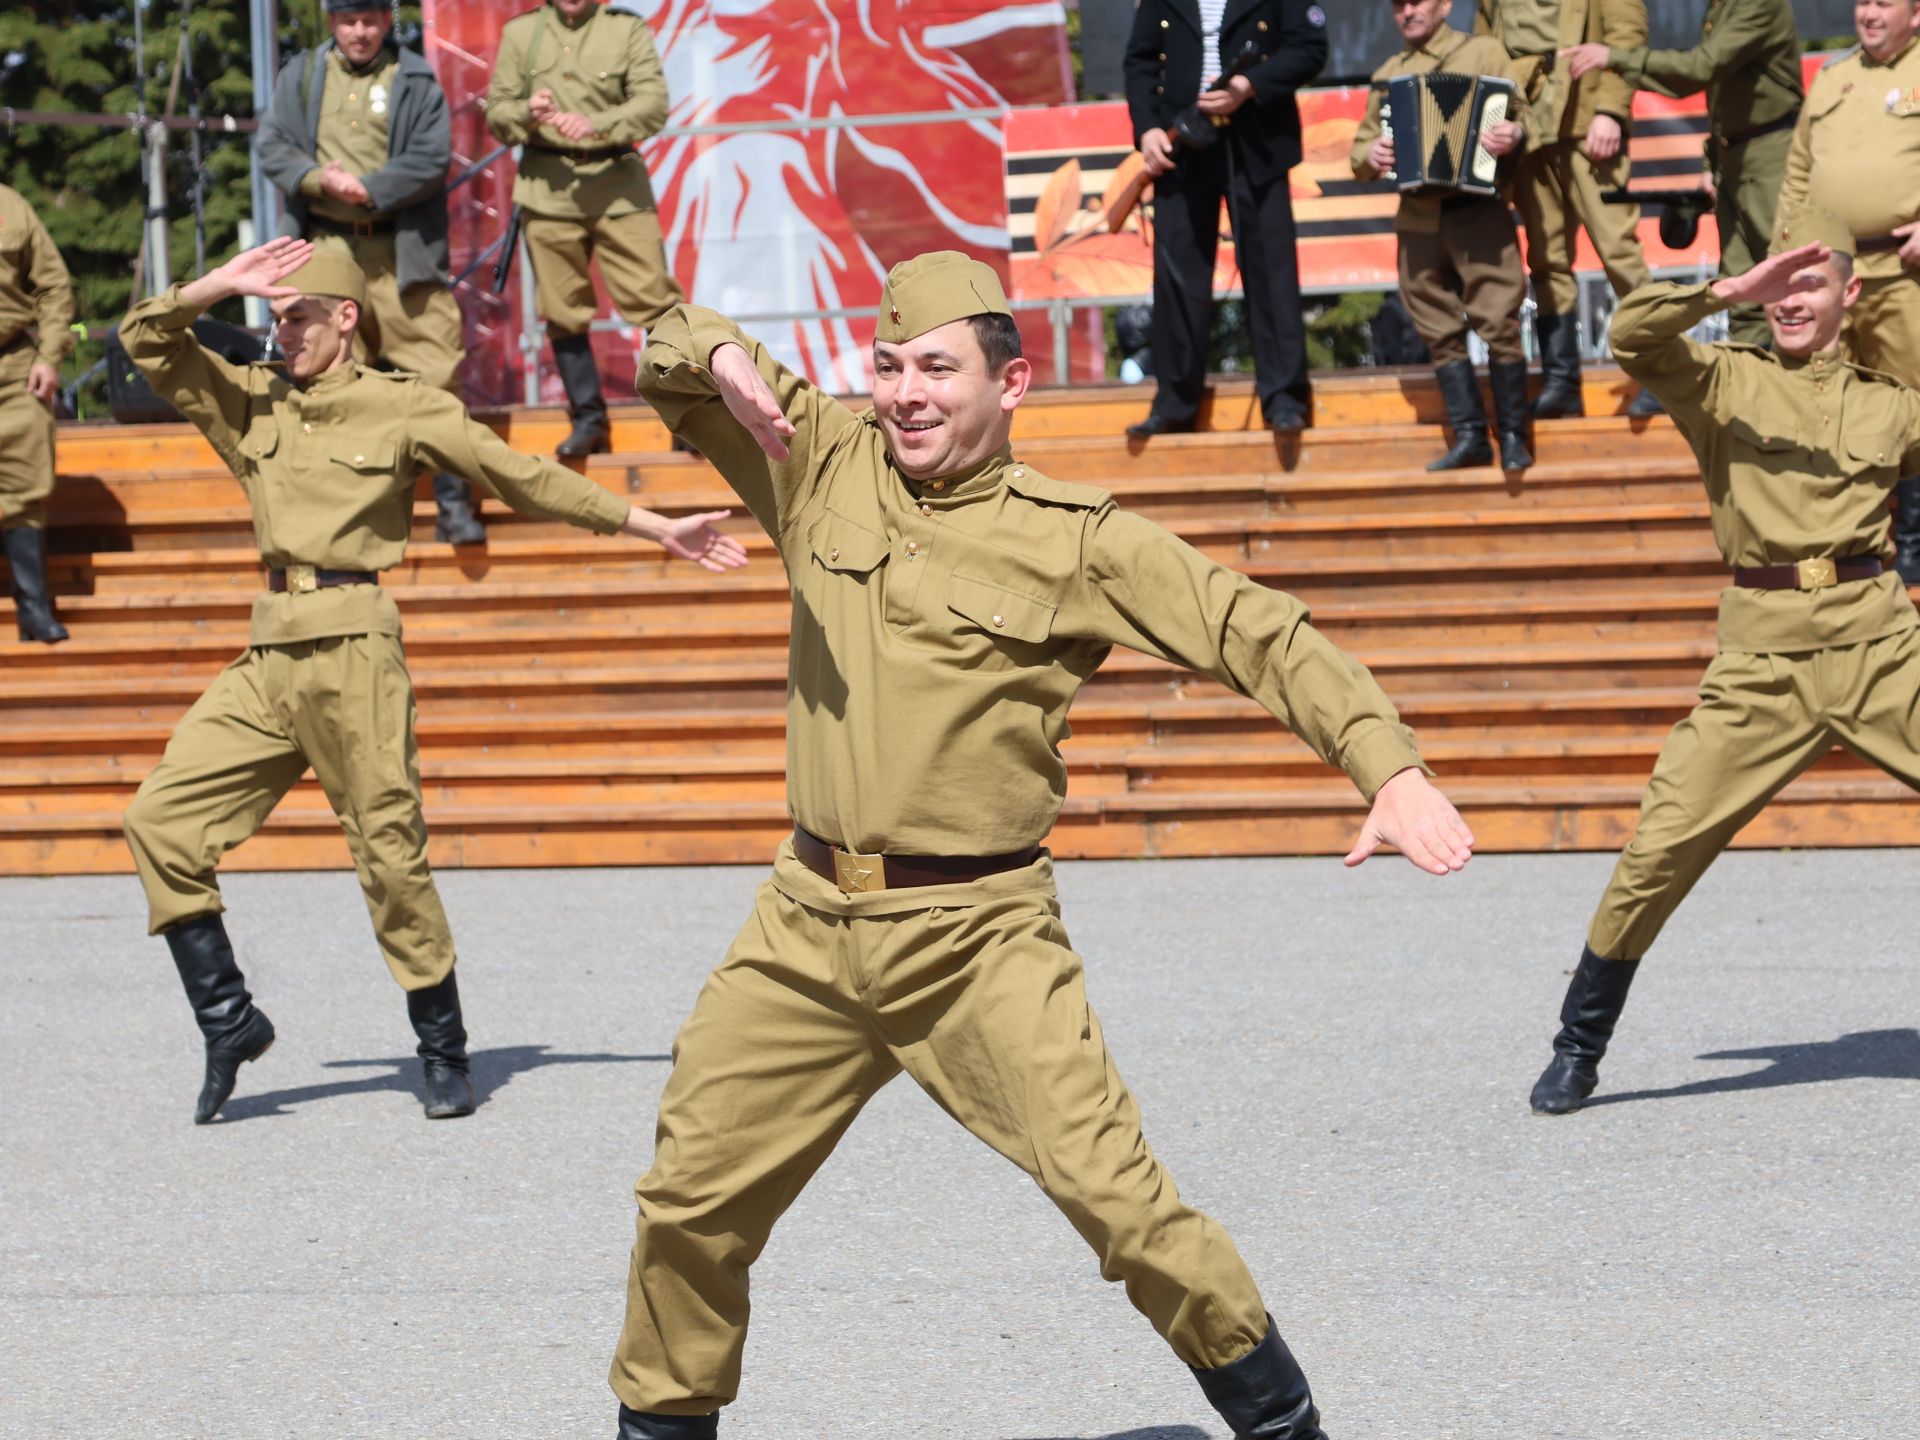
[(580, 377), (1466, 417), (1263, 1395), (435, 1013), (637, 1426), (1560, 396), (235, 1030), (458, 521), (26, 548), (1587, 1017), (1906, 530), (1509, 383)]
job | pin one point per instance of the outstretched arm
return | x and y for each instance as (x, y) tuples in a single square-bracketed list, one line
[(1417, 820)]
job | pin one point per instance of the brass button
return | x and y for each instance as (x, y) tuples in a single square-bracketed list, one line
[(359, 459), (1019, 472), (1163, 24), (834, 554), (925, 509), (1163, 57), (999, 620), (353, 124), (308, 427), (913, 547), (352, 96), (1262, 25), (936, 484), (1159, 89)]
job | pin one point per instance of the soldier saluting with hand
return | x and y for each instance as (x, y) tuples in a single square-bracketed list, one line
[(327, 452)]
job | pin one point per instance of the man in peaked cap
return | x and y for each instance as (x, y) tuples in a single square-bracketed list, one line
[(328, 453), (949, 601), (1818, 640)]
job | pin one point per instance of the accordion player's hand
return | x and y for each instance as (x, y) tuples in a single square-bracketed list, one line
[(1501, 138), (1380, 156)]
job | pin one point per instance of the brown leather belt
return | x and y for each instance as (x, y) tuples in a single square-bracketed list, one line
[(360, 229), (302, 578), (1875, 244), (855, 873), (605, 152), (1808, 574), (1772, 127)]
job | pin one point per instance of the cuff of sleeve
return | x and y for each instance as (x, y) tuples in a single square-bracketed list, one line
[(1381, 753), (172, 310), (606, 513), (310, 186), (1699, 299)]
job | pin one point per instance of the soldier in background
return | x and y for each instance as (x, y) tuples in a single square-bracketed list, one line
[(1459, 261), (324, 680), (1856, 152), (36, 313), (357, 139), (576, 85), (1748, 62), (1578, 151), (1817, 643)]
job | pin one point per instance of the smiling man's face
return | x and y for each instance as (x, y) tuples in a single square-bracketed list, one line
[(941, 406), (1809, 321)]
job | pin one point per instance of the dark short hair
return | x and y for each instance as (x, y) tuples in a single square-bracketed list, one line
[(999, 339)]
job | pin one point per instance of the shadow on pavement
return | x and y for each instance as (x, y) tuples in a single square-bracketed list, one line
[(1149, 1432), (1863, 1055), (492, 1069)]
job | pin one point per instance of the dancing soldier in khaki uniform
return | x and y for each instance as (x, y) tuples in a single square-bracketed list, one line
[(1856, 152), (1818, 643), (1578, 150), (326, 452), (36, 311), (1748, 62), (357, 139), (949, 600), (1459, 262), (576, 85)]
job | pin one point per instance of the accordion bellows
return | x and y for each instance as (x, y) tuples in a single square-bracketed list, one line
[(1436, 120)]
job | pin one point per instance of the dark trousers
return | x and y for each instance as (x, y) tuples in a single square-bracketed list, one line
[(1186, 235)]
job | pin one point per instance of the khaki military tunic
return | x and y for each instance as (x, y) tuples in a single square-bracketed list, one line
[(417, 329), (329, 469), (1798, 458), (1748, 62), (1856, 152), (940, 632), (1459, 261), (1556, 185), (586, 199), (36, 311)]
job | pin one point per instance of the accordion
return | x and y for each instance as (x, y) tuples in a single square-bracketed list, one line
[(1436, 121)]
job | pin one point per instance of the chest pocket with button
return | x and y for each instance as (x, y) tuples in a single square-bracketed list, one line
[(1873, 429), (996, 627), (844, 553)]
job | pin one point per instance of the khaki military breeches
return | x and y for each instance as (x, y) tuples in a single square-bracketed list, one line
[(1883, 328), (633, 261), (417, 329), (1557, 191), (26, 446), (811, 1012), (1466, 274), (1762, 719), (343, 706), (1747, 191)]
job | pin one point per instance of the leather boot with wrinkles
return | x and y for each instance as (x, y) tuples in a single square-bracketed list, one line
[(26, 548), (1466, 417), (636, 1425), (236, 1031), (1263, 1395), (1587, 1017), (1508, 381), (580, 378), (458, 522), (1560, 394), (435, 1013), (1906, 530)]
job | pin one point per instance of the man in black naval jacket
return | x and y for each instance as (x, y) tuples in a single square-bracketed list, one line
[(1177, 53)]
